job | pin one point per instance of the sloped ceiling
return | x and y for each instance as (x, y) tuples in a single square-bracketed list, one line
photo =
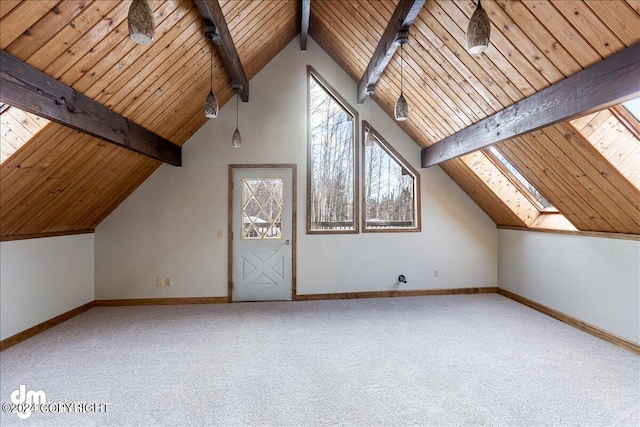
[(62, 181), (533, 45)]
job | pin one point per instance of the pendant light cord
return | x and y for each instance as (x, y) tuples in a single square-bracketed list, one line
[(401, 66), (370, 96), (211, 55), (237, 103)]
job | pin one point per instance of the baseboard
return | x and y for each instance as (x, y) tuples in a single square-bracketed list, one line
[(399, 293), (572, 321), (159, 301), (34, 330), (586, 327)]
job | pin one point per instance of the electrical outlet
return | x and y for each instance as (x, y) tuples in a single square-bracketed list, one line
[(435, 273), (158, 281), (169, 282), (220, 233)]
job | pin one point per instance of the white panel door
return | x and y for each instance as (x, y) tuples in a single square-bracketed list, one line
[(262, 234)]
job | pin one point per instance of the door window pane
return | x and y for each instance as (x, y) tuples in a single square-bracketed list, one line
[(262, 208)]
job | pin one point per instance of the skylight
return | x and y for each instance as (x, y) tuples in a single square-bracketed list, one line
[(16, 128), (544, 203), (633, 107)]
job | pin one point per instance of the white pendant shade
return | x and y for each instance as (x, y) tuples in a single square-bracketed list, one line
[(402, 109), (142, 26), (478, 31), (368, 134), (369, 139), (211, 106), (236, 139)]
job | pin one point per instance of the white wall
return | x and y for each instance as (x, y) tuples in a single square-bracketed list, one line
[(43, 278), (168, 226), (594, 279)]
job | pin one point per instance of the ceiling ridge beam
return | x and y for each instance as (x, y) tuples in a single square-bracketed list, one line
[(606, 83), (305, 8), (212, 15), (406, 12), (33, 91)]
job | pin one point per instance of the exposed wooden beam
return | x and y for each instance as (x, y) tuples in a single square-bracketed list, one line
[(304, 24), (212, 14), (31, 90), (602, 85), (406, 12)]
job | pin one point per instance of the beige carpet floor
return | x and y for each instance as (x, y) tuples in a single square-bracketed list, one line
[(464, 360)]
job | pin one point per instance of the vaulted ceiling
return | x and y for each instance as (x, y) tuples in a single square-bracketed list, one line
[(56, 180)]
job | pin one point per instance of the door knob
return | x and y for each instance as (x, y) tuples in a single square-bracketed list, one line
[(286, 242)]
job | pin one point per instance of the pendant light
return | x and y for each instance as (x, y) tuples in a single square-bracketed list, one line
[(211, 103), (236, 140), (478, 31), (142, 26), (368, 135), (402, 108)]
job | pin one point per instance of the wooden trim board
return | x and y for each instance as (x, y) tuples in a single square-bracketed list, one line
[(42, 235), (620, 236), (395, 293), (48, 324), (158, 301), (572, 321), (35, 330)]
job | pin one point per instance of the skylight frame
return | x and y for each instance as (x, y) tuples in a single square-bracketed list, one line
[(627, 116), (633, 107), (518, 179), (18, 129)]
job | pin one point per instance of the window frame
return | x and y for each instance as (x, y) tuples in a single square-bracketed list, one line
[(312, 73), (386, 147), (627, 118), (516, 182)]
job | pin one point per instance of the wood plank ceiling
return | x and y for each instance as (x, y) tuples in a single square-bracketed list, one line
[(533, 45), (63, 181)]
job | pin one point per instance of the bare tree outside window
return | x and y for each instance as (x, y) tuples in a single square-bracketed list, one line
[(332, 161), (390, 185)]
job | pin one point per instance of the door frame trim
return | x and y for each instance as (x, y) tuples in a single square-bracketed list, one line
[(294, 217)]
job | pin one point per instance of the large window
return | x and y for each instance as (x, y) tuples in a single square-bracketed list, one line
[(391, 199), (332, 155)]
